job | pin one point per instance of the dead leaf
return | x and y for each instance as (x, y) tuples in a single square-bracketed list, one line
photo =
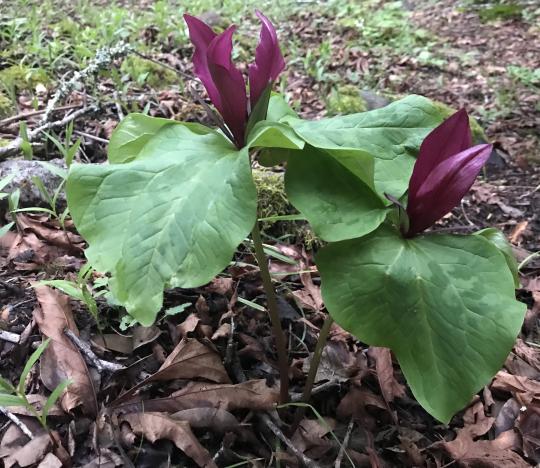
[(61, 360), (253, 394), (337, 363), (529, 427), (390, 387), (220, 285), (216, 419), (155, 426), (50, 461), (55, 236), (507, 416), (525, 390), (114, 342), (517, 233), (190, 359), (309, 437), (144, 335), (189, 325), (31, 453)]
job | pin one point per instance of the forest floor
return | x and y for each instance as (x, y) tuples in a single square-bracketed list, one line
[(198, 387)]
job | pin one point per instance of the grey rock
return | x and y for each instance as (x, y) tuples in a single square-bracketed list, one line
[(24, 171), (373, 100)]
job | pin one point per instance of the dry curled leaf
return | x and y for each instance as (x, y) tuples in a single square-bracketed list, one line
[(155, 426), (390, 387), (189, 360), (62, 360)]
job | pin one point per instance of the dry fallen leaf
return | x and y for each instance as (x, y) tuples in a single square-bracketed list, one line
[(155, 426), (216, 419), (31, 453), (489, 453), (390, 387), (253, 394), (61, 360), (189, 360), (524, 390)]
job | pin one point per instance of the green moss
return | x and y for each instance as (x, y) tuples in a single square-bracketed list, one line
[(6, 106), (273, 202), (144, 71), (501, 12), (477, 131), (344, 100), (4, 142), (20, 77), (272, 199)]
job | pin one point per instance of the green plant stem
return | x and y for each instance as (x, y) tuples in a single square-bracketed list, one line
[(316, 359), (272, 306), (313, 367)]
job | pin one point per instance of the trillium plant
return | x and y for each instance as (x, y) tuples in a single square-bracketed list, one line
[(177, 198)]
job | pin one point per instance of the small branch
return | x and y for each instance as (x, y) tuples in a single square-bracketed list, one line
[(273, 312), (183, 74), (15, 420), (15, 145), (90, 356), (10, 337), (343, 447), (104, 57), (308, 462), (92, 137), (25, 115), (298, 397)]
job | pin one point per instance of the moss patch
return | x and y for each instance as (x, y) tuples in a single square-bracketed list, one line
[(19, 78), (345, 100), (6, 106), (478, 133)]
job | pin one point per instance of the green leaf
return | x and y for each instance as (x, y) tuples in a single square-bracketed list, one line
[(11, 400), (498, 239), (6, 228), (6, 386), (68, 287), (444, 304), (258, 113), (337, 204), (173, 217), (278, 109), (268, 134), (392, 135), (132, 134), (53, 397), (30, 363)]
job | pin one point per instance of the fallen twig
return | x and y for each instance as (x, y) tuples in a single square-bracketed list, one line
[(90, 356), (17, 142), (308, 462), (25, 115), (104, 57), (15, 420), (8, 336), (92, 137), (343, 447), (298, 397)]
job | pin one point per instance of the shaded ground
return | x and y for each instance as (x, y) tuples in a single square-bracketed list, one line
[(442, 50)]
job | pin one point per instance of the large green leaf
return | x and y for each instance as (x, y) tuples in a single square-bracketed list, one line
[(444, 304), (392, 135), (173, 216), (498, 239), (337, 204), (132, 134)]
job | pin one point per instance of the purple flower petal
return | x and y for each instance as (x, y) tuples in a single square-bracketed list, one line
[(201, 36), (268, 61), (444, 187), (229, 83), (448, 139)]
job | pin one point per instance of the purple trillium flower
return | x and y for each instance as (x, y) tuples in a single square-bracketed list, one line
[(223, 81), (444, 172)]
